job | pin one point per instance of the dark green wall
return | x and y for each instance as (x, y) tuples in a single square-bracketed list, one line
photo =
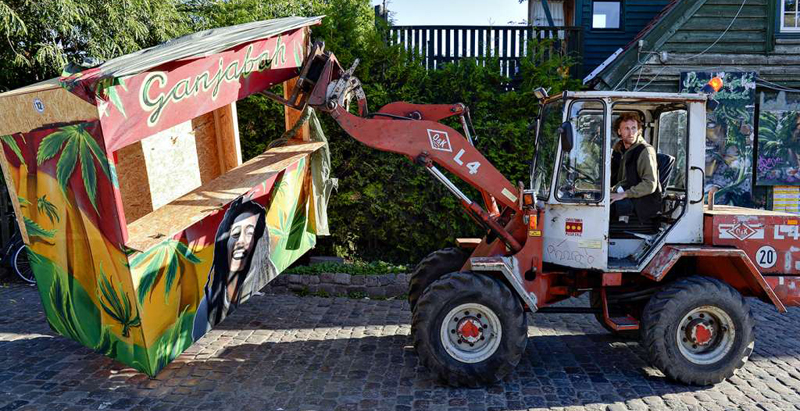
[(599, 44)]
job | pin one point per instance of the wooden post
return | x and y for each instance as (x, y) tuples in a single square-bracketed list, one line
[(291, 115)]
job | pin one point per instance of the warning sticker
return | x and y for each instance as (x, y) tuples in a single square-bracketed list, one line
[(574, 226)]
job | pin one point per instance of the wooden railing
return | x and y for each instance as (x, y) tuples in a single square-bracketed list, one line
[(437, 45)]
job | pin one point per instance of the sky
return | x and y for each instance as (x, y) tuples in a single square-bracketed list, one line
[(456, 12)]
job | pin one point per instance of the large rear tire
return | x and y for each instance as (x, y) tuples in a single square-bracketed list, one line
[(698, 331), (433, 267), (471, 329)]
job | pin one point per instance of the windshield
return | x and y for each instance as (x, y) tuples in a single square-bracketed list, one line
[(550, 120)]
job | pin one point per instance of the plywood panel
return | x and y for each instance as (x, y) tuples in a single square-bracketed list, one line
[(134, 185), (173, 168), (167, 165), (21, 112), (190, 208), (206, 148)]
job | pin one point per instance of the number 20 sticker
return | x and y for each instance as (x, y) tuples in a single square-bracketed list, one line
[(766, 257)]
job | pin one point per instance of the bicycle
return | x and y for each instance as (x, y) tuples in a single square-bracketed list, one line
[(15, 258)]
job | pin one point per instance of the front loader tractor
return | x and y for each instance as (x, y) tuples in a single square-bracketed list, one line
[(677, 283)]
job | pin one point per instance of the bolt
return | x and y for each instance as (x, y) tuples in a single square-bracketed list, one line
[(455, 319), (466, 312), (702, 316), (486, 326), (460, 341), (478, 315)]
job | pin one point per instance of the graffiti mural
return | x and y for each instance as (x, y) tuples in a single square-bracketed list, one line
[(730, 135), (778, 140)]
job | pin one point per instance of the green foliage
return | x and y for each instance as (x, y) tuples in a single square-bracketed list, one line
[(386, 207), (41, 37), (116, 306), (163, 262), (371, 268)]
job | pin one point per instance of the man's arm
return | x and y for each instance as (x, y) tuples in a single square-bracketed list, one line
[(646, 166)]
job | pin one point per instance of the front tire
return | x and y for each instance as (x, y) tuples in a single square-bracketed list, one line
[(433, 267), (470, 329), (698, 331)]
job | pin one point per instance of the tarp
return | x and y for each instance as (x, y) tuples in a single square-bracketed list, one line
[(201, 44)]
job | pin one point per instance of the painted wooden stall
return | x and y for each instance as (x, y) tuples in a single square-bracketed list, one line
[(144, 227)]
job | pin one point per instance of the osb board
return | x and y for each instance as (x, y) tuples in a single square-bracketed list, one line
[(162, 167), (206, 148), (134, 186), (170, 219), (731, 210), (40, 105)]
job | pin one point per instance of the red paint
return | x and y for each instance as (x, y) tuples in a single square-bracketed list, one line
[(469, 329), (702, 334)]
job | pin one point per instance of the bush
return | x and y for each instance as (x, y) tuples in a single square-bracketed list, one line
[(387, 208)]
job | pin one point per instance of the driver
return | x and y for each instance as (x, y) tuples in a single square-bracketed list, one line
[(638, 191)]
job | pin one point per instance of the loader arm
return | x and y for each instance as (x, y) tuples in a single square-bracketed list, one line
[(412, 130)]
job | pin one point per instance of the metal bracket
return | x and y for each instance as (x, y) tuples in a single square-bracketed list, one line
[(510, 269)]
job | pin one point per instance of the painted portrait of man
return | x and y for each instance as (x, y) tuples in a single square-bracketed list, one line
[(241, 264)]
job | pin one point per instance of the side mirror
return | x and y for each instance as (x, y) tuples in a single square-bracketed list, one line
[(567, 136)]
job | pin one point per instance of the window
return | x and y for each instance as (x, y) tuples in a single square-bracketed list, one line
[(606, 14), (672, 129), (580, 177), (546, 148), (790, 16)]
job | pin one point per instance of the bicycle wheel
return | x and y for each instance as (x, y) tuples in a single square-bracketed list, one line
[(21, 265)]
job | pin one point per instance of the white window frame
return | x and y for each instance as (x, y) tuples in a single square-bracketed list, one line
[(785, 29)]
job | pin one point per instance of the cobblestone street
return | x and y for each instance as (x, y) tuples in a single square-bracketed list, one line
[(283, 352)]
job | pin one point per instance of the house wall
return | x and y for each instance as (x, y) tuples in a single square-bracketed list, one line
[(746, 47), (599, 44)]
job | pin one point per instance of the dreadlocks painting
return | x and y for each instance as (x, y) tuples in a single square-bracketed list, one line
[(241, 264)]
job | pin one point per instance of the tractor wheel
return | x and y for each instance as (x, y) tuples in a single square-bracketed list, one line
[(470, 329), (433, 267), (698, 330), (596, 301)]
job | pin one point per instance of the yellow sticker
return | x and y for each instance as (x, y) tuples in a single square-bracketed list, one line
[(792, 222), (534, 233)]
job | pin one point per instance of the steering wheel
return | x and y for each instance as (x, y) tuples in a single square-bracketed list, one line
[(580, 173)]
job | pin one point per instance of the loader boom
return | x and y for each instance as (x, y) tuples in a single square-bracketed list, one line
[(414, 131)]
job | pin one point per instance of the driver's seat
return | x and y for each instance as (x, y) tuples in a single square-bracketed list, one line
[(665, 166)]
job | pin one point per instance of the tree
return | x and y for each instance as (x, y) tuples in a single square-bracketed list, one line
[(43, 36)]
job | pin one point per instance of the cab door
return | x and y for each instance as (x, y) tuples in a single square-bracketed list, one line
[(576, 218)]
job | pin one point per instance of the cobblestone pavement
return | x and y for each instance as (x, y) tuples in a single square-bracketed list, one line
[(283, 352)]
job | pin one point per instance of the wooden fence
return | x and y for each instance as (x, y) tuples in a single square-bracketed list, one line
[(446, 44)]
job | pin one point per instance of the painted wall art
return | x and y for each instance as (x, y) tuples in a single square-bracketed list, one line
[(730, 135), (143, 297), (778, 140)]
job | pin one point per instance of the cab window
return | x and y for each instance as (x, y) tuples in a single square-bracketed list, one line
[(580, 174)]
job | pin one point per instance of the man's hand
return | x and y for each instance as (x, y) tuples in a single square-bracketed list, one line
[(618, 196)]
